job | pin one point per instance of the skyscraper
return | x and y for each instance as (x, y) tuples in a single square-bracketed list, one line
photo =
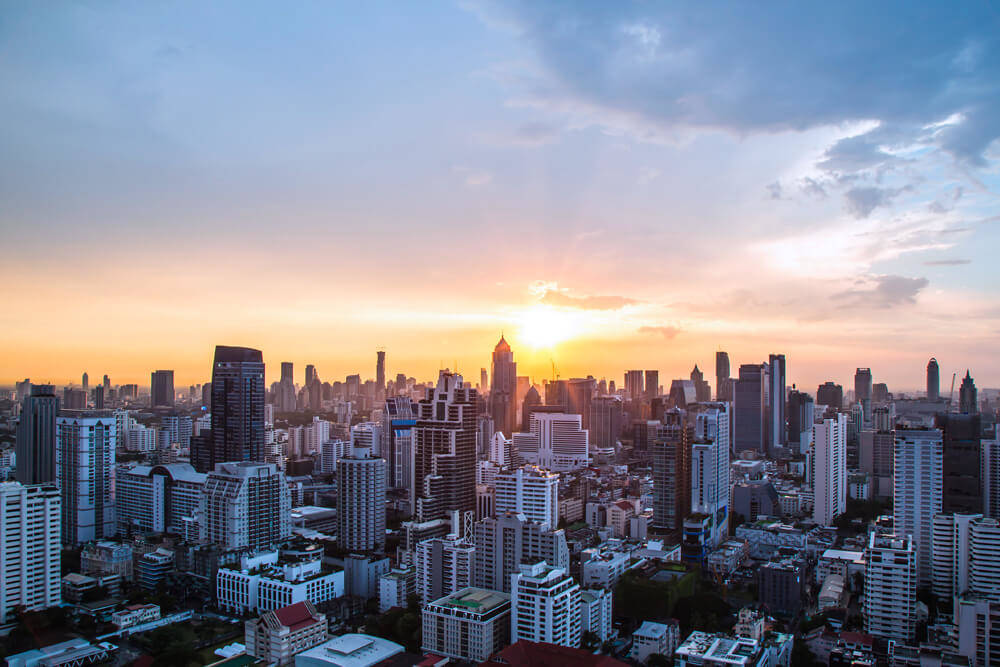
[(237, 407), (830, 469), (670, 445), (652, 384), (310, 374), (528, 490), (35, 448), (580, 392), (605, 423), (85, 381), (287, 371), (933, 380), (800, 420), (961, 482), (444, 450), (777, 429), (723, 390), (890, 604), (246, 504), (633, 385), (545, 606), (361, 485), (702, 391), (863, 391), (968, 396), (86, 442), (917, 494), (557, 441), (503, 390), (749, 409), (380, 371), (830, 394), (161, 389), (505, 542), (29, 548)]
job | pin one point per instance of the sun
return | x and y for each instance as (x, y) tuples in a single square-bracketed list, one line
[(543, 326)]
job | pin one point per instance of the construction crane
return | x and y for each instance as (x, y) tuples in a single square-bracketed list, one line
[(951, 398), (555, 374)]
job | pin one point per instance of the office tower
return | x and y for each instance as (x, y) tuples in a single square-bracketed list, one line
[(682, 393), (29, 548), (531, 491), (670, 444), (801, 416), (579, 394), (85, 447), (245, 504), (830, 469), (99, 397), (633, 385), (22, 389), (890, 604), (917, 490), (875, 457), (509, 540), (161, 389), (723, 389), (398, 419), (444, 566), (85, 382), (545, 606), (444, 450), (106, 383), (605, 423), (712, 424), (880, 393), (557, 441), (652, 384), (158, 499), (557, 394), (749, 409), (830, 394), (287, 371), (991, 477), (710, 479), (361, 501), (532, 400), (777, 428), (702, 390), (380, 371), (310, 374), (968, 396), (74, 399), (933, 380), (237, 407), (503, 390), (962, 471), (35, 445), (468, 626), (863, 391)]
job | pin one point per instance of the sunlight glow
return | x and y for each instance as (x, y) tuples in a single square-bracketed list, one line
[(544, 326)]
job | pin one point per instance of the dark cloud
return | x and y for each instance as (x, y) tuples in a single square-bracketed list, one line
[(752, 68), (947, 262), (861, 201), (555, 298), (667, 332), (882, 292)]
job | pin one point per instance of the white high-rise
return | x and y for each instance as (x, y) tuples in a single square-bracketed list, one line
[(245, 504), (950, 538), (444, 565), (710, 473), (500, 450), (29, 547), (528, 490), (361, 501), (712, 423), (830, 469), (890, 606), (917, 491), (367, 434), (557, 442), (545, 606), (331, 451), (85, 448)]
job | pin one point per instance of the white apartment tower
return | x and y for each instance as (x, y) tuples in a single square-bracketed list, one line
[(528, 490), (830, 469), (245, 504), (545, 606), (361, 486), (85, 450), (557, 441), (710, 474), (444, 566), (890, 607), (29, 547), (917, 491)]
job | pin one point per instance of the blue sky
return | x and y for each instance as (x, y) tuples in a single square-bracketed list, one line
[(815, 179)]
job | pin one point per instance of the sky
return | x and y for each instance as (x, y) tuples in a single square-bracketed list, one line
[(610, 185)]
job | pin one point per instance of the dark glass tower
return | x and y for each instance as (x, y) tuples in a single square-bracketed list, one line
[(968, 396), (749, 409), (776, 418), (35, 447), (161, 389), (962, 491), (933, 380), (237, 406), (723, 387), (503, 391)]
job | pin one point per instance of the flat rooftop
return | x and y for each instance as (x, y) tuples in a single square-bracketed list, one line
[(476, 600)]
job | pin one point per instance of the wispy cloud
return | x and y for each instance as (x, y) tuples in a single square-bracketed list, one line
[(882, 292), (947, 262), (668, 332)]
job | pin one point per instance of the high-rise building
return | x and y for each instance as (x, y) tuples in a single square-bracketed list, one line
[(991, 478), (749, 409), (29, 548), (509, 540), (245, 504), (605, 423), (35, 445), (380, 371), (830, 394), (863, 391), (875, 457), (917, 493), (532, 401), (890, 603), (557, 441), (670, 445), (962, 470), (545, 606), (158, 499), (468, 626), (702, 390), (444, 565), (968, 396), (723, 383), (652, 384), (85, 382), (287, 371), (710, 477), (528, 490), (634, 386), (966, 556), (361, 487), (580, 393), (444, 450), (161, 389), (801, 416), (85, 445), (237, 408), (503, 390), (933, 380), (777, 427), (830, 469)]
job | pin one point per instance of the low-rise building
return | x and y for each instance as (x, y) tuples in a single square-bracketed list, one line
[(654, 639), (134, 614), (766, 537), (276, 636), (595, 613), (703, 648), (469, 625), (267, 581), (395, 588), (602, 568), (728, 558), (351, 650)]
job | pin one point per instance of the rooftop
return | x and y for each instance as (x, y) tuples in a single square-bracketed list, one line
[(476, 600), (350, 650)]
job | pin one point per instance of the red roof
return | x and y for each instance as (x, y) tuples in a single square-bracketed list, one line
[(295, 616), (432, 660), (539, 654)]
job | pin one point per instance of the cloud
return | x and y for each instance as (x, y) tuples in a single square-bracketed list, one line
[(535, 134), (774, 190), (881, 292), (587, 302), (473, 177), (861, 201), (648, 174), (947, 262), (667, 332)]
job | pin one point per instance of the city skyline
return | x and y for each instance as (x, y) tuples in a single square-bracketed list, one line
[(424, 178)]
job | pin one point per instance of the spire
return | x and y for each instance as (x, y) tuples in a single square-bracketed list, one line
[(502, 345)]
